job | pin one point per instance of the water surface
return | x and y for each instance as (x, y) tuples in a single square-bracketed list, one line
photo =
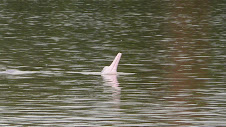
[(172, 71)]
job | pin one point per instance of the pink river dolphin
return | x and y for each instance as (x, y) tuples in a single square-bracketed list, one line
[(112, 69)]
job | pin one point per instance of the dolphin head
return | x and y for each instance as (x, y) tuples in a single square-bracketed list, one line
[(112, 69)]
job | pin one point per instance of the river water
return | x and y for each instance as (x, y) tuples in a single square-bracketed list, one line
[(172, 71)]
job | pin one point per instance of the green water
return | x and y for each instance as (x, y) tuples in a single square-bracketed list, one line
[(172, 71)]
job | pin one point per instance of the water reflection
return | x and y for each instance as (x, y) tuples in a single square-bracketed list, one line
[(189, 54), (112, 81)]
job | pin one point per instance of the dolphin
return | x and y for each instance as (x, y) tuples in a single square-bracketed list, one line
[(112, 69)]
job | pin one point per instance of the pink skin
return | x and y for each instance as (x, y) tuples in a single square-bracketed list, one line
[(112, 69)]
